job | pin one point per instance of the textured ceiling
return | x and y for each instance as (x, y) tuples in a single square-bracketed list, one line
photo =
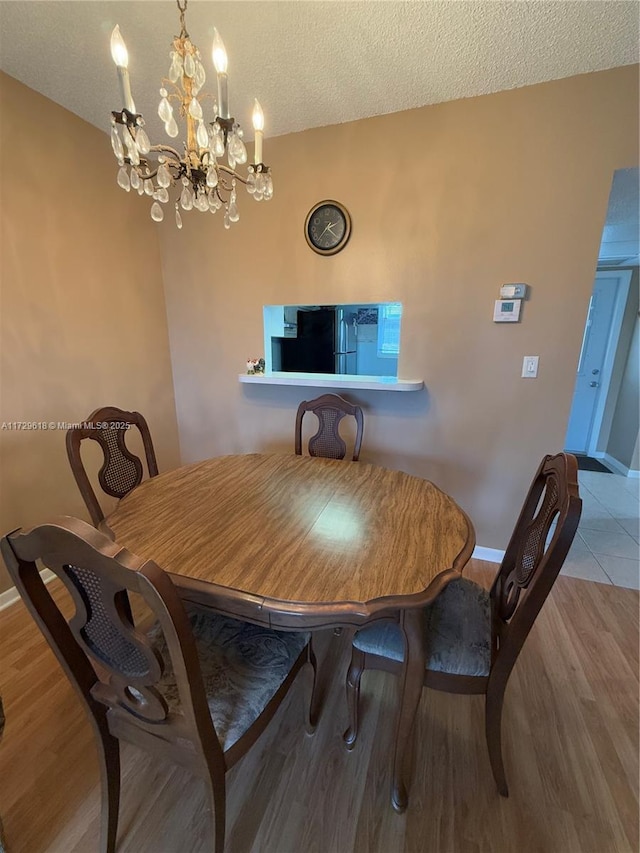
[(319, 63), (314, 63)]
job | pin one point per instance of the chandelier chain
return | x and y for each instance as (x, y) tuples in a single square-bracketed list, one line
[(183, 27)]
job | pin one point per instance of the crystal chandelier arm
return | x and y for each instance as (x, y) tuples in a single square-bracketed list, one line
[(168, 149), (232, 172), (176, 95), (151, 173)]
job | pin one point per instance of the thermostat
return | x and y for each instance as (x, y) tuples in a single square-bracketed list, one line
[(507, 310), (513, 291)]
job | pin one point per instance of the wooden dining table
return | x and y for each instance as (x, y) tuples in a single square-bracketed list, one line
[(301, 543)]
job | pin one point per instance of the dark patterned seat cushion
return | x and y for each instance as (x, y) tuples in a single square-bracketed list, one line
[(458, 632), (242, 666)]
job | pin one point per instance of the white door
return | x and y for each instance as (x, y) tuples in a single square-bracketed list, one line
[(599, 342)]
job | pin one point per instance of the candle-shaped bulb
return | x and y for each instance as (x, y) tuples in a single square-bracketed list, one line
[(258, 126), (258, 116), (121, 58), (119, 52), (218, 53)]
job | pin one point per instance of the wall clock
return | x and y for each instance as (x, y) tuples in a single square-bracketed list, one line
[(327, 227)]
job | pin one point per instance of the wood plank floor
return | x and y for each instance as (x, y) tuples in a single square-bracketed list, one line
[(571, 753)]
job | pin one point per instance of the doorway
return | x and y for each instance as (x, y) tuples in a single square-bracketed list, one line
[(597, 357)]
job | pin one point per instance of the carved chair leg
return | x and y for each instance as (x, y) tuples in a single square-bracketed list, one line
[(313, 709), (410, 686), (218, 799), (354, 674), (493, 730), (109, 760)]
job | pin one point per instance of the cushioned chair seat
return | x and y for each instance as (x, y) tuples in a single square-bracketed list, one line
[(458, 632), (242, 666)]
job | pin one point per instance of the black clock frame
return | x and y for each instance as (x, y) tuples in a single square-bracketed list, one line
[(332, 250)]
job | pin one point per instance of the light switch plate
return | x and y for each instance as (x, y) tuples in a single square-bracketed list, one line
[(530, 366)]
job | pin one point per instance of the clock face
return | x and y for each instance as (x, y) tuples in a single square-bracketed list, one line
[(328, 227)]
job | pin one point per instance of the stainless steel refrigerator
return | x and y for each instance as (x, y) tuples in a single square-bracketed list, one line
[(325, 343)]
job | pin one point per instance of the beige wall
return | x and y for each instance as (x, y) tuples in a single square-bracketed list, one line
[(448, 202), (509, 187), (83, 320)]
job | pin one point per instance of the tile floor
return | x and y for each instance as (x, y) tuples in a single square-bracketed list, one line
[(606, 548)]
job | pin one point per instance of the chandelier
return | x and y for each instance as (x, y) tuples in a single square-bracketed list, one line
[(199, 178)]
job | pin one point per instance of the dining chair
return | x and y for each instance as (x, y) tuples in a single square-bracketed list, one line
[(197, 688), (330, 409), (121, 471), (474, 636)]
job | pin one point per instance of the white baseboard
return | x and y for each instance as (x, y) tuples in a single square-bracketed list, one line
[(491, 555), (616, 466), (10, 596)]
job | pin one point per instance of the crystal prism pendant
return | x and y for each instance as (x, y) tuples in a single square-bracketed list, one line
[(227, 223), (268, 188), (241, 156), (162, 195), (142, 141), (199, 77), (164, 176), (171, 128), (178, 218), (148, 187), (217, 141), (202, 137), (186, 199), (132, 150), (237, 148), (212, 177), (165, 110), (135, 179), (123, 179), (157, 213), (195, 110), (175, 72), (251, 182), (116, 143), (189, 66), (201, 202)]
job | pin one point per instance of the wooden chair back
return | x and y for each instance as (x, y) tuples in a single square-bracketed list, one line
[(111, 663), (330, 409), (121, 471), (537, 549), (139, 683)]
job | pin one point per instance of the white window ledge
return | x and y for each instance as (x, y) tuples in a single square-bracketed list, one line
[(327, 380)]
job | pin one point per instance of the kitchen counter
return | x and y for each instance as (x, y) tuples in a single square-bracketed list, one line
[(330, 380)]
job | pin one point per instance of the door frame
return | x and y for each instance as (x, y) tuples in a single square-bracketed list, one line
[(606, 374)]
